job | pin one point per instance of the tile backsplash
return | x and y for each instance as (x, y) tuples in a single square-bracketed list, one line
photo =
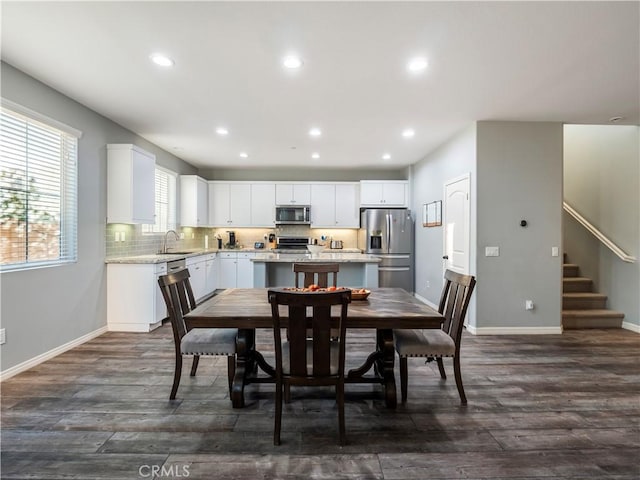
[(138, 243)]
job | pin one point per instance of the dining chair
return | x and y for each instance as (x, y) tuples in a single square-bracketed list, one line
[(315, 361), (445, 342), (178, 296), (316, 273)]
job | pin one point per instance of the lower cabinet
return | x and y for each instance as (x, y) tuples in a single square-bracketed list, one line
[(134, 299), (197, 275), (236, 270)]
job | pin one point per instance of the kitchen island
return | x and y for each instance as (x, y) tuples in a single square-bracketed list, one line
[(276, 269)]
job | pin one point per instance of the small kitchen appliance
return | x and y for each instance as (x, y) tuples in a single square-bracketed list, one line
[(336, 244), (293, 214), (232, 239)]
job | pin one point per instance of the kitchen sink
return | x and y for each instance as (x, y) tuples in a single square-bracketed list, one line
[(177, 252)]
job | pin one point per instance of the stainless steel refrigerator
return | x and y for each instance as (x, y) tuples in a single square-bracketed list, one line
[(388, 234)]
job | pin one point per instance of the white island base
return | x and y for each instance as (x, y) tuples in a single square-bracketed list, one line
[(276, 270)]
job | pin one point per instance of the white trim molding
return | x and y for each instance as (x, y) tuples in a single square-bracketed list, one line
[(514, 330), (631, 326), (21, 367), (424, 300)]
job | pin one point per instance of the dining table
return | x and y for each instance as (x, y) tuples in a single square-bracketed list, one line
[(248, 309)]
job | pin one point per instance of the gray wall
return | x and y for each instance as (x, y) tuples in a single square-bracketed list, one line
[(519, 167), (45, 308), (453, 159), (303, 174), (602, 182)]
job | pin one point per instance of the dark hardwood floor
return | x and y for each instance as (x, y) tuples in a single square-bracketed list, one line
[(553, 407)]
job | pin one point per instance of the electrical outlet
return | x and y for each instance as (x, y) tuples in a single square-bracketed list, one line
[(555, 252), (193, 235), (492, 251), (122, 236), (181, 235), (3, 336), (428, 284), (117, 236)]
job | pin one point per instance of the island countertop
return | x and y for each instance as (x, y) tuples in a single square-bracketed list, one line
[(315, 258)]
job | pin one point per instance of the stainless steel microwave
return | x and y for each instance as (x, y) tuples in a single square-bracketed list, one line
[(293, 214)]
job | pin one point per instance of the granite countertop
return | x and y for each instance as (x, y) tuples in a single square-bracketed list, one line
[(260, 252), (315, 258)]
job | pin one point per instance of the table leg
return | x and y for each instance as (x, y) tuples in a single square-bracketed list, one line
[(245, 344), (384, 365)]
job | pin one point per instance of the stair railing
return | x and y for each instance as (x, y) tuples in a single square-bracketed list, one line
[(598, 234)]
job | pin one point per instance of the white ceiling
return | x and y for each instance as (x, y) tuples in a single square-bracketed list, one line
[(574, 62)]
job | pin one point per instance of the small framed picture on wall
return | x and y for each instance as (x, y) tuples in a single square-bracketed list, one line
[(432, 214)]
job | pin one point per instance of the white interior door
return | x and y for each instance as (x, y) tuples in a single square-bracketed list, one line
[(456, 223)]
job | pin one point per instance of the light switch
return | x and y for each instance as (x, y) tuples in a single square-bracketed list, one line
[(491, 251), (122, 236), (117, 235), (554, 251)]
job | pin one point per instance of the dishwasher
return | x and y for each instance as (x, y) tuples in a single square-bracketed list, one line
[(164, 269)]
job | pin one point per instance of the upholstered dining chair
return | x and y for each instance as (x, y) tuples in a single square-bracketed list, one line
[(178, 296), (434, 343), (315, 361), (316, 273)]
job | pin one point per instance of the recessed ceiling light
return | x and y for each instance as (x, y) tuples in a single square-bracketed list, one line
[(386, 156), (315, 132), (315, 155), (222, 131), (162, 60), (408, 133), (244, 155), (292, 62), (417, 64)]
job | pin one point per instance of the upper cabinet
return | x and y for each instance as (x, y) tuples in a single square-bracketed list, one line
[(263, 204), (194, 199), (293, 194), (390, 193), (229, 204), (335, 205), (130, 184)]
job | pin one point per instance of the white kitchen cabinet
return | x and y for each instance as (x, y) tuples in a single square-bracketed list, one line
[(211, 273), (263, 204), (134, 299), (227, 274), (293, 194), (194, 201), (390, 193), (230, 204), (130, 184), (197, 275), (244, 275), (236, 270), (335, 205)]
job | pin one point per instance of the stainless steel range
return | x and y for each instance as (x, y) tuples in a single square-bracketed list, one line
[(291, 244)]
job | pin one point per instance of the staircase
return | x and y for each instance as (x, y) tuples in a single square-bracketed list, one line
[(581, 307)]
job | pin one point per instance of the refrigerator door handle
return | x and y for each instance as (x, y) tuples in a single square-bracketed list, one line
[(388, 215), (392, 256), (394, 269)]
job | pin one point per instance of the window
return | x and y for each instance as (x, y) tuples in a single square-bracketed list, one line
[(38, 190), (165, 202)]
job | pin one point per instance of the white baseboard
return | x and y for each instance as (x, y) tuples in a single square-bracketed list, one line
[(631, 326), (21, 367), (514, 330), (424, 300)]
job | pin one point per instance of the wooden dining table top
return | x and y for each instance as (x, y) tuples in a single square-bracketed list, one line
[(385, 308)]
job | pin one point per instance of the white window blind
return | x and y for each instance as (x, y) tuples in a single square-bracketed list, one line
[(165, 213), (38, 193)]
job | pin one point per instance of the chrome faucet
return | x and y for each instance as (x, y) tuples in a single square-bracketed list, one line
[(164, 241)]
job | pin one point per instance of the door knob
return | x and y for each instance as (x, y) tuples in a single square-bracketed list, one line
[(445, 257)]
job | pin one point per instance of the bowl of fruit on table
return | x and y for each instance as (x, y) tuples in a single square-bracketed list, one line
[(359, 293)]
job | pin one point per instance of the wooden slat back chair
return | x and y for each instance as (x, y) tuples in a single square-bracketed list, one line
[(315, 361), (316, 273), (433, 343), (179, 299)]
